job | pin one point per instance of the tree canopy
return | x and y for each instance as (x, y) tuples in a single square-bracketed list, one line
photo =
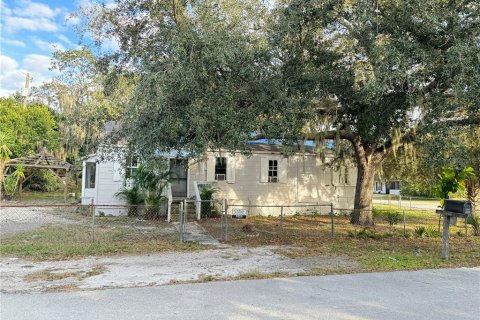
[(372, 74), (27, 129)]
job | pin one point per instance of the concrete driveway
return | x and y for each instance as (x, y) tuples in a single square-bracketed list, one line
[(427, 294)]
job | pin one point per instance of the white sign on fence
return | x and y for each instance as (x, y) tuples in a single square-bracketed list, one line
[(238, 213)]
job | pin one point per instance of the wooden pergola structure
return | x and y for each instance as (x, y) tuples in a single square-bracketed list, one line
[(44, 160)]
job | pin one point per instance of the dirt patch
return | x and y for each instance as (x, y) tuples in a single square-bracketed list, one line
[(19, 219), (161, 269)]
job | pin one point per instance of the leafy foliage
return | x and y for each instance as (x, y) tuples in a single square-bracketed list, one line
[(84, 99), (147, 186), (132, 196), (451, 180), (371, 74), (208, 207), (25, 129), (426, 231), (10, 185), (474, 221), (43, 180)]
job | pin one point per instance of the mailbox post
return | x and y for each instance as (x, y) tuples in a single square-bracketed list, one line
[(452, 209)]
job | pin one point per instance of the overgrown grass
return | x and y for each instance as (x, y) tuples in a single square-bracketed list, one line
[(383, 247), (72, 241), (46, 198)]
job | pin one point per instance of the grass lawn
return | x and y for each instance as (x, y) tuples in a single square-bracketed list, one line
[(382, 247), (45, 198), (56, 242)]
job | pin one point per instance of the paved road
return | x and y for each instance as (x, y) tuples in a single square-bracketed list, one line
[(428, 294), (406, 204)]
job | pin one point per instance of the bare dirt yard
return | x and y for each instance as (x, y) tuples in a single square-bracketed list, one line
[(221, 263), (19, 219), (57, 249)]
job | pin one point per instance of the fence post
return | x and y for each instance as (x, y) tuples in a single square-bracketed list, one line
[(410, 202), (399, 200), (331, 219), (92, 211), (466, 228), (389, 199), (404, 225), (281, 219), (446, 225), (180, 214), (224, 220)]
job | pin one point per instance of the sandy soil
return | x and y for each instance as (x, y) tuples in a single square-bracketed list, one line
[(19, 219), (92, 273)]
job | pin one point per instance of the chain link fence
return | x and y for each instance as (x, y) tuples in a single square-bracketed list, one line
[(110, 224), (407, 202), (81, 224), (276, 223)]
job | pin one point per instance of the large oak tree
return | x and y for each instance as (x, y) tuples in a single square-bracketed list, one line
[(373, 74)]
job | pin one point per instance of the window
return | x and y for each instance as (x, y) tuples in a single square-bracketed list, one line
[(90, 168), (395, 185), (132, 166), (272, 170), (220, 168)]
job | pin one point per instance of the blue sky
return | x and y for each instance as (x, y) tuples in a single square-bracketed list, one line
[(30, 31)]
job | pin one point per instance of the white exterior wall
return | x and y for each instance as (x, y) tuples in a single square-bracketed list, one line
[(88, 194), (308, 181), (106, 185)]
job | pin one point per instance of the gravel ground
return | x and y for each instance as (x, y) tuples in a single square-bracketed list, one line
[(156, 269), (19, 219)]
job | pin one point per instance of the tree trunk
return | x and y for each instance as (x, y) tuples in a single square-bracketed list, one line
[(362, 213), (472, 185), (368, 160)]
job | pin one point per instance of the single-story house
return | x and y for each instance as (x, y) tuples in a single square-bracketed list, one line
[(387, 187), (265, 177)]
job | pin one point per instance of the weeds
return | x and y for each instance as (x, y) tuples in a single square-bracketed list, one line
[(427, 231)]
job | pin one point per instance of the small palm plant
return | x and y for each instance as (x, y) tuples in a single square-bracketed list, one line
[(19, 174), (5, 154), (207, 206), (474, 221), (132, 196)]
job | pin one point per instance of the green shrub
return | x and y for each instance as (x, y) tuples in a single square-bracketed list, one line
[(474, 221), (207, 206), (132, 196), (393, 217), (421, 231), (429, 231), (432, 232), (152, 206), (43, 180), (370, 234), (10, 185)]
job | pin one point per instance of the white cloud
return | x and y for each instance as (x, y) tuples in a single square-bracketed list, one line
[(12, 74), (16, 43), (7, 64), (37, 63), (13, 24), (47, 46), (35, 10), (29, 15)]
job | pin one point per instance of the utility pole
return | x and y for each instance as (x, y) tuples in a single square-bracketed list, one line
[(26, 87)]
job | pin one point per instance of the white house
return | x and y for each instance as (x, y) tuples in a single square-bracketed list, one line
[(387, 187), (265, 177)]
